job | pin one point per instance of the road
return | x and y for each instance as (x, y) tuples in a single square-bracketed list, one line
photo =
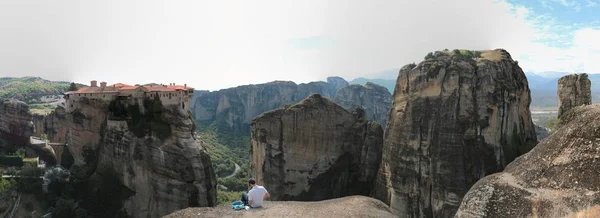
[(235, 172)]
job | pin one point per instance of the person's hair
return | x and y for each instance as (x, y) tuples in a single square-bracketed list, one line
[(251, 181)]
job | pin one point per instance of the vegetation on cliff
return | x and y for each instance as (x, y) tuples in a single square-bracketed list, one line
[(141, 124), (30, 89)]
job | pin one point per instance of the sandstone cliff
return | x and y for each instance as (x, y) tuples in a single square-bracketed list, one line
[(15, 122), (457, 117), (315, 150), (573, 90), (150, 148), (557, 178), (352, 206), (376, 100), (236, 107)]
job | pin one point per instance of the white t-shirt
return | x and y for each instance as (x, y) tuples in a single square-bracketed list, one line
[(256, 195)]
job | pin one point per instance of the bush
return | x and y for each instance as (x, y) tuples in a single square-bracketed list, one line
[(7, 185), (14, 161), (552, 125), (227, 197), (429, 56)]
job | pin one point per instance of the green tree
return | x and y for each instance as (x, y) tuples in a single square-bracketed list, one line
[(552, 124), (73, 87), (7, 185)]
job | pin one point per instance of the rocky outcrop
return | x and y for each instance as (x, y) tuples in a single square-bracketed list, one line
[(337, 82), (457, 117), (541, 132), (315, 150), (557, 178), (168, 171), (15, 122), (573, 90), (353, 206), (236, 107), (376, 100), (151, 150)]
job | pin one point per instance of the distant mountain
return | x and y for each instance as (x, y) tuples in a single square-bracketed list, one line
[(387, 83), (544, 88)]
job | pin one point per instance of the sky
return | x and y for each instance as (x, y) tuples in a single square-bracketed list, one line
[(219, 44)]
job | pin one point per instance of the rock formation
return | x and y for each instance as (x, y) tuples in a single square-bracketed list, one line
[(541, 132), (337, 82), (15, 122), (236, 107), (353, 206), (150, 148), (457, 117), (557, 178), (376, 100), (315, 150), (573, 90)]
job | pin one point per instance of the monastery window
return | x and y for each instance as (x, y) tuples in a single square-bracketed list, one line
[(182, 105)]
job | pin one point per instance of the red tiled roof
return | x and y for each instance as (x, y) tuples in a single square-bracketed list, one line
[(128, 87), (120, 85), (158, 89), (179, 87), (115, 88), (108, 89)]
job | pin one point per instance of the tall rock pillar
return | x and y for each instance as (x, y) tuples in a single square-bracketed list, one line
[(573, 90)]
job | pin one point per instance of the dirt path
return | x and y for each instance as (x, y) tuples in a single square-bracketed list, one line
[(235, 172)]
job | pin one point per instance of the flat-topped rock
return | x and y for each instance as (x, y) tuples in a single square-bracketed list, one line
[(352, 206)]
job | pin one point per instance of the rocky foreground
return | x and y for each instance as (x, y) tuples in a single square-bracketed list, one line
[(352, 206), (558, 178)]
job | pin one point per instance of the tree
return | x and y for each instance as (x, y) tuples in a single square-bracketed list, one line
[(552, 124), (73, 87), (429, 55)]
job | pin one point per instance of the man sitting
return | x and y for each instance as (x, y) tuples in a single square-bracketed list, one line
[(255, 196)]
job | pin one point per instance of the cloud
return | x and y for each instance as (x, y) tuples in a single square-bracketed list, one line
[(219, 44)]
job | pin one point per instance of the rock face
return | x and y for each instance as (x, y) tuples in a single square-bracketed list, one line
[(337, 82), (376, 100), (166, 174), (236, 107), (557, 178), (573, 90), (15, 122), (352, 206), (150, 148), (315, 150), (541, 132), (455, 119)]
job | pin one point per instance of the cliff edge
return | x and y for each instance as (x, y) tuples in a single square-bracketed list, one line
[(352, 206)]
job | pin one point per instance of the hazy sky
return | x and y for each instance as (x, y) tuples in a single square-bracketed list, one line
[(218, 44)]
